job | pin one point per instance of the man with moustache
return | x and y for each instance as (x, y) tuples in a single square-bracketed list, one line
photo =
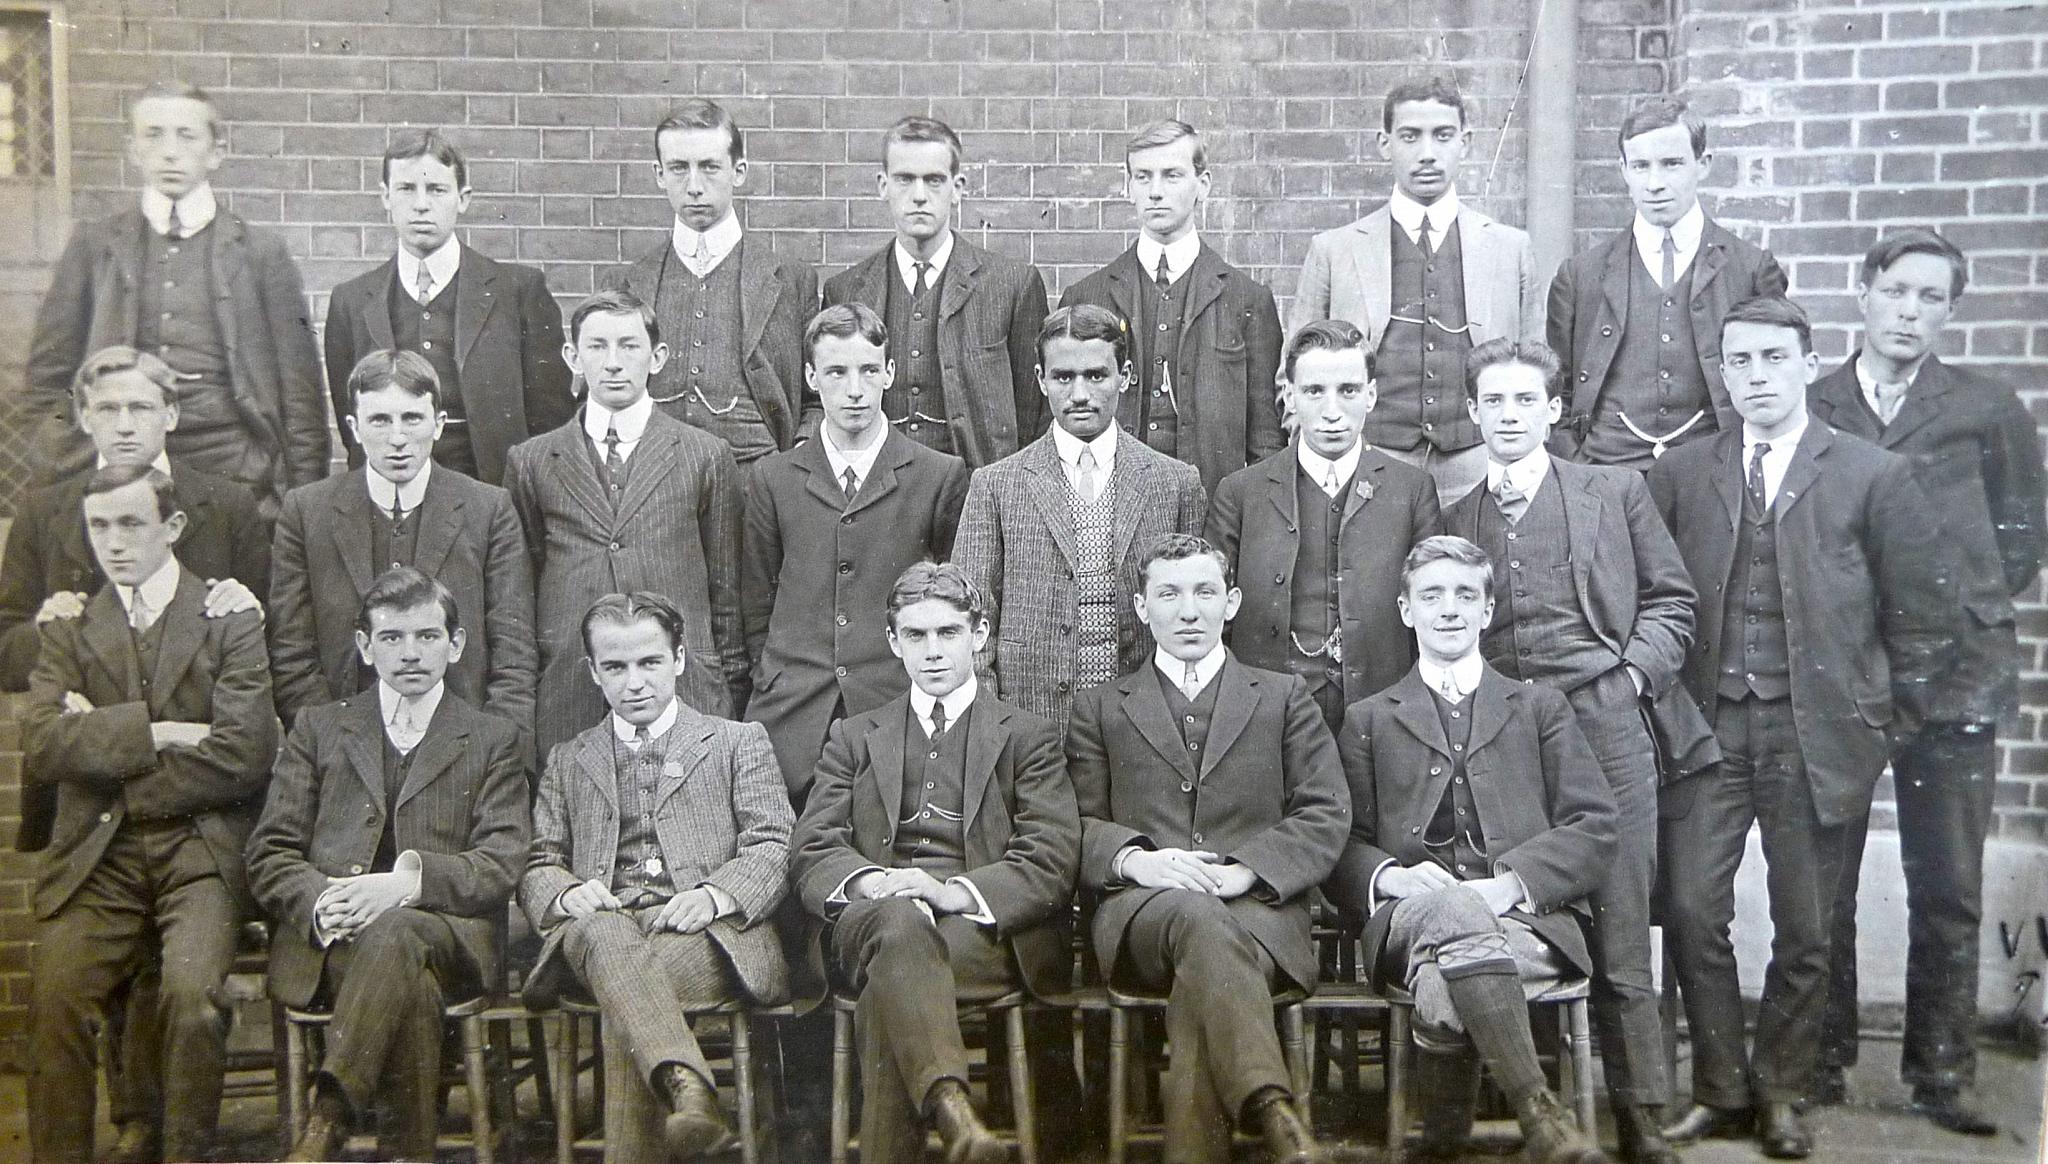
[(732, 309), (1206, 336), (1831, 621), (1976, 452), (1052, 533), (491, 330), (963, 322)]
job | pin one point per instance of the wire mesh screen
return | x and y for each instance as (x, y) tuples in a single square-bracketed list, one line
[(28, 134)]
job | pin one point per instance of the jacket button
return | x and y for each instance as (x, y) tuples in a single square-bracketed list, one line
[(839, 671), (1279, 578), (1582, 377), (355, 869), (1606, 331), (841, 620), (846, 567), (615, 546), (105, 817), (1063, 685), (1198, 838), (1414, 831)]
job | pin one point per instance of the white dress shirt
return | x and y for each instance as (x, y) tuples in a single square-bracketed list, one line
[(1685, 240), (1526, 475), (717, 242), (422, 707), (631, 420), (196, 209), (906, 264), (1868, 383), (626, 732), (1776, 461), (1318, 467), (1408, 215), (1466, 673), (411, 494), (157, 590), (442, 264), (1206, 667), (861, 461), (1180, 255), (1069, 447), (162, 464)]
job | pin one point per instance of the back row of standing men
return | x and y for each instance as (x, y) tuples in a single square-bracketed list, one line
[(731, 512)]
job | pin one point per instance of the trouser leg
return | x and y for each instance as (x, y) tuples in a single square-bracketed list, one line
[(1946, 782), (1840, 1023), (612, 957), (1460, 967), (80, 955), (198, 922), (133, 1047), (906, 1026)]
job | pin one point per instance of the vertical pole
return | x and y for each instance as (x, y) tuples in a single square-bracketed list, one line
[(1552, 121)]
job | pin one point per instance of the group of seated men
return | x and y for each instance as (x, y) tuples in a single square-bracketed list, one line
[(1013, 609)]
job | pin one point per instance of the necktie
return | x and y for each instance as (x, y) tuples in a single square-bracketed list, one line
[(849, 482), (700, 262), (1084, 473), (1330, 483), (1190, 682), (425, 287), (1669, 274), (173, 228), (938, 718), (139, 613), (406, 730), (1756, 474), (1513, 502), (397, 513), (614, 463), (922, 285), (1449, 688), (1428, 249), (1890, 398), (1161, 275), (641, 739)]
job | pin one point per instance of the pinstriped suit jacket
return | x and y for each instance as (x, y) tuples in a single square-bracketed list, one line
[(1016, 541), (676, 532)]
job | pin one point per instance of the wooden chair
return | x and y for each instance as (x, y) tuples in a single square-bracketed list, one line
[(304, 1027), (1124, 1004), (1010, 1006)]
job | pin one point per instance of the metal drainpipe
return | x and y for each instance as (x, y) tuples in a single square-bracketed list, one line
[(1553, 120)]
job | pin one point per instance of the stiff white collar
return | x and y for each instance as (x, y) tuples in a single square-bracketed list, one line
[(1069, 448), (1685, 242), (1527, 474), (1176, 669), (410, 494), (157, 590), (1466, 673), (1408, 214), (667, 719), (718, 242), (632, 422), (442, 264), (906, 266), (1317, 466), (957, 702), (861, 461), (196, 209), (389, 700), (1180, 255)]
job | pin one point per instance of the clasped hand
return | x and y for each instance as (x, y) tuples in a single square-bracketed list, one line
[(688, 912), (916, 884), (1190, 869), (350, 903), (1502, 893)]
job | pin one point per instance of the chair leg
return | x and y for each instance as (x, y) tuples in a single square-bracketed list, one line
[(1022, 1100), (842, 1083), (743, 1087), (1297, 1060), (560, 1028), (1582, 1065), (479, 1090), (1119, 1079), (296, 1072), (280, 1071), (1667, 1011), (1397, 1081), (537, 1057)]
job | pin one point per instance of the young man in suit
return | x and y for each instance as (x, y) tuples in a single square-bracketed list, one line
[(337, 536), (625, 498), (661, 843), (1481, 825), (1425, 277), (491, 330), (1207, 335), (1832, 621), (1212, 802), (1052, 534), (963, 322), (1976, 452), (154, 724), (939, 845), (1315, 532), (395, 828), (1590, 599), (1636, 321), (830, 526), (733, 310), (196, 286)]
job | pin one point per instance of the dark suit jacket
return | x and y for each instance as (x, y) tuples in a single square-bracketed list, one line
[(815, 588), (261, 311), (1223, 367), (508, 350), (1022, 832), (1870, 618), (1017, 543), (990, 310), (1589, 306), (469, 539), (1976, 453), (1633, 591), (729, 828), (676, 531), (1252, 519), (1268, 794), (778, 297), (102, 762), (1545, 811), (462, 809)]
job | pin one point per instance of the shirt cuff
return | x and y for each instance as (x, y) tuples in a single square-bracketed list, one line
[(1373, 900), (721, 901), (981, 914), (409, 867), (321, 937), (1116, 866), (838, 896)]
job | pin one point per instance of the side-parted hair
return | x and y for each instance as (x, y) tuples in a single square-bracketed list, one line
[(1178, 547), (703, 113), (1446, 548), (844, 321), (1916, 240), (186, 91), (917, 127), (1086, 321), (1502, 350), (409, 372), (408, 144), (405, 588), (1324, 335), (1658, 112), (1165, 132), (122, 358), (617, 301), (1772, 311), (943, 582), (627, 609), (1436, 88), (108, 478)]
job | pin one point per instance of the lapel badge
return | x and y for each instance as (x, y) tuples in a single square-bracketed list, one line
[(1364, 489)]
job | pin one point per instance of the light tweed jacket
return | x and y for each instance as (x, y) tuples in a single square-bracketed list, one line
[(1016, 541)]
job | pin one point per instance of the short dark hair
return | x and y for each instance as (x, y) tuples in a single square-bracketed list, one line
[(179, 90), (1446, 548), (1658, 112), (409, 372), (122, 358), (1502, 350), (1439, 89), (1177, 547), (1325, 335), (1773, 311), (108, 478), (703, 113), (917, 127), (627, 609), (1165, 132), (1916, 240), (844, 321), (405, 588), (1086, 321), (940, 581), (425, 143), (615, 301)]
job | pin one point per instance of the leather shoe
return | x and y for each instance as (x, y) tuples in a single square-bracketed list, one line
[(967, 1139), (326, 1129), (1549, 1133), (1641, 1140), (1783, 1132), (1945, 1109), (137, 1143), (1707, 1122), (695, 1126), (1829, 1088), (1288, 1139)]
